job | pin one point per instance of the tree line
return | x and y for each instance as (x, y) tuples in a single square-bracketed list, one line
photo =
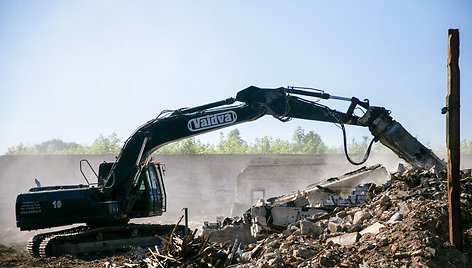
[(303, 142), (102, 145)]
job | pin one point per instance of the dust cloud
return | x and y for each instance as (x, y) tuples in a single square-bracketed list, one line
[(208, 185), (17, 175), (203, 183)]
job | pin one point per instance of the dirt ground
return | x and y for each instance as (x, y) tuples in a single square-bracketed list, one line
[(10, 257)]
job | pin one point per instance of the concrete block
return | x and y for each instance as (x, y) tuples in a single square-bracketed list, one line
[(319, 230), (256, 230), (373, 229), (305, 253), (360, 216), (261, 220), (334, 227), (345, 239), (395, 218), (258, 211), (283, 216), (301, 202), (231, 232), (306, 227), (404, 209)]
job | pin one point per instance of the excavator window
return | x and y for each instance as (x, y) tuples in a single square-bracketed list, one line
[(154, 188), (152, 180)]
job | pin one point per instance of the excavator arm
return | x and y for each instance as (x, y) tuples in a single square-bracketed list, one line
[(132, 187), (253, 103)]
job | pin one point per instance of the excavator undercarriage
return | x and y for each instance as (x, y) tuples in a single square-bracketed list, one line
[(85, 240)]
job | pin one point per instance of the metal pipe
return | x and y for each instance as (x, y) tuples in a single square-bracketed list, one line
[(141, 151), (340, 98), (208, 106), (308, 93), (186, 220)]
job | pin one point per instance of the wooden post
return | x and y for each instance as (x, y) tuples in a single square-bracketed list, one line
[(453, 139)]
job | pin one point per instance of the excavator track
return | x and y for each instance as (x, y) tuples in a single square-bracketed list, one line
[(35, 241), (94, 240)]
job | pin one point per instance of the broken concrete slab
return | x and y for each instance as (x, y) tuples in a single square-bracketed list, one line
[(395, 218), (345, 239), (372, 229), (342, 187), (231, 233), (308, 227), (283, 216), (360, 216), (268, 216), (261, 220), (399, 244), (334, 226)]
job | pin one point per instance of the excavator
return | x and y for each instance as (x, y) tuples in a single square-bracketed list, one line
[(132, 186)]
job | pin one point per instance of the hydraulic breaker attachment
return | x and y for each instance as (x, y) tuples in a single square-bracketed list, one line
[(393, 135)]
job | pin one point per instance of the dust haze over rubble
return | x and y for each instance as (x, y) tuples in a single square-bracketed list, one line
[(197, 182), (206, 184)]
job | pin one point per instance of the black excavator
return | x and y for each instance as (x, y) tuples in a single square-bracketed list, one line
[(132, 186)]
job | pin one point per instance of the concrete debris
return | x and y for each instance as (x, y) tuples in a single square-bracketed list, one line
[(283, 216), (345, 239), (275, 214), (404, 223), (360, 216), (372, 229), (343, 191)]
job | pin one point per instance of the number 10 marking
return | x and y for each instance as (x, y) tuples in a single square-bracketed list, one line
[(57, 203)]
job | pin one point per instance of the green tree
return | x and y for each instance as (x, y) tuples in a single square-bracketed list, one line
[(105, 145), (262, 146), (355, 147), (309, 143), (466, 146), (186, 146), (21, 149), (267, 145), (57, 146), (302, 143), (54, 146), (233, 144), (280, 146)]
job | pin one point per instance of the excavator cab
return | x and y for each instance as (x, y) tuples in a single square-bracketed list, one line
[(151, 195)]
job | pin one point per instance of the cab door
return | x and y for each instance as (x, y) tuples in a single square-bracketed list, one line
[(156, 190)]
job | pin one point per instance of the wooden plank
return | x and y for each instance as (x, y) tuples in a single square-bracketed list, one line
[(453, 138)]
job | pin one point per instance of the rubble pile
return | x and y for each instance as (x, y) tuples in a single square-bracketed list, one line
[(191, 251), (404, 224)]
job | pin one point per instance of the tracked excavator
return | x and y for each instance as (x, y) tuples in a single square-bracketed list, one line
[(132, 186)]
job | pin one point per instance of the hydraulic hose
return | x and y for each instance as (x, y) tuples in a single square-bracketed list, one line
[(367, 153)]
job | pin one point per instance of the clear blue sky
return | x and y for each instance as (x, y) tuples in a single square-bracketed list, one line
[(75, 69)]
